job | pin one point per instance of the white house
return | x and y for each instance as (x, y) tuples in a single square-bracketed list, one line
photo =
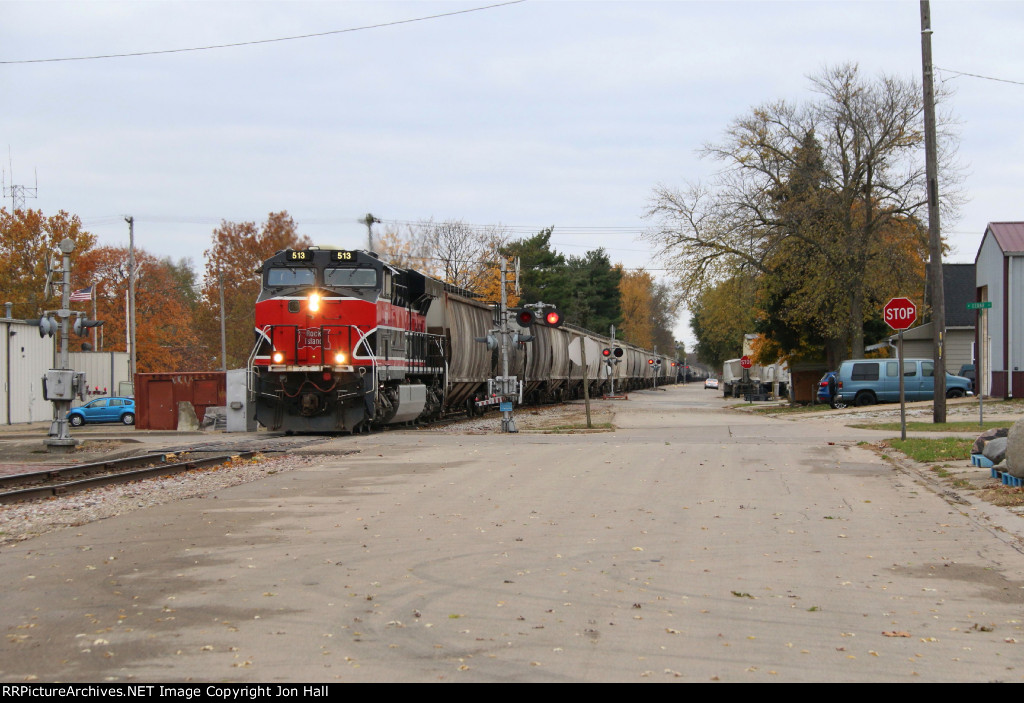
[(999, 271)]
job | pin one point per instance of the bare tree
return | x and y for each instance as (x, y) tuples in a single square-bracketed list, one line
[(462, 254), (827, 185)]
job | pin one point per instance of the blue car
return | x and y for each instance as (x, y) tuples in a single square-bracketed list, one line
[(104, 410), (827, 390)]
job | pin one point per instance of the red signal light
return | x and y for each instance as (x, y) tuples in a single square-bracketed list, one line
[(606, 353), (553, 318), (524, 318)]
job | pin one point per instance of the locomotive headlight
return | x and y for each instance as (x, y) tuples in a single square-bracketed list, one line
[(314, 302), (277, 357), (339, 358)]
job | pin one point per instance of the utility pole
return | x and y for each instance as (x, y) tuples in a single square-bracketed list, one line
[(223, 328), (131, 297), (934, 237), (369, 221)]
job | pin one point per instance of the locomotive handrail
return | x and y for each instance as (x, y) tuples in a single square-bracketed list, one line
[(250, 364)]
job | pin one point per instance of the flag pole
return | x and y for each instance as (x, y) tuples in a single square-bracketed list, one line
[(94, 347)]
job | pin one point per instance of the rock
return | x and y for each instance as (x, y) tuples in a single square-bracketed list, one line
[(985, 437), (187, 420), (995, 449), (1015, 450)]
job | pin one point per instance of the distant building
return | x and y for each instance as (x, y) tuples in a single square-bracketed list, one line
[(999, 278)]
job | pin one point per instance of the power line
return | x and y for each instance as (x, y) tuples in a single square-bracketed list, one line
[(975, 75), (263, 41)]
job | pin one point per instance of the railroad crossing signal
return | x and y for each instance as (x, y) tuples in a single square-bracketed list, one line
[(524, 317), (553, 318), (900, 313)]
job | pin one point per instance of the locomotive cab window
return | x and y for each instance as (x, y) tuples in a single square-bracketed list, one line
[(280, 277), (350, 277)]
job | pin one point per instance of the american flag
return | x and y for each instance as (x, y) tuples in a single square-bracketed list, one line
[(82, 296)]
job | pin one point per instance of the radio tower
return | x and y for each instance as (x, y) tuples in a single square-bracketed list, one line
[(17, 194)]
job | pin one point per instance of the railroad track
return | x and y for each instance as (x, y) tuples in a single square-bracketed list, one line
[(52, 482), (58, 481)]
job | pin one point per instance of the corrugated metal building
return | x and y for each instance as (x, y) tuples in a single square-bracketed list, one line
[(106, 373), (1000, 280), (24, 359)]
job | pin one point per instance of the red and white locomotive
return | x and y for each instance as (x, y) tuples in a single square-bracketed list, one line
[(346, 342)]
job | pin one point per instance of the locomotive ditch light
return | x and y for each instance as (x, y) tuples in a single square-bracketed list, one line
[(277, 357), (339, 358)]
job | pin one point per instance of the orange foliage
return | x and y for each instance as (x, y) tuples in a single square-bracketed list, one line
[(27, 240), (165, 336), (234, 258)]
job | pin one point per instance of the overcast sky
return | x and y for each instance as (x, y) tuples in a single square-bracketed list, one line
[(525, 114)]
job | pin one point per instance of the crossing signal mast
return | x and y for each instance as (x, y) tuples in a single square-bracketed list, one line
[(63, 385), (612, 357), (506, 390)]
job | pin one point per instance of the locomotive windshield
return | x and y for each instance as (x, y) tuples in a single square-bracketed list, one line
[(350, 277), (280, 277)]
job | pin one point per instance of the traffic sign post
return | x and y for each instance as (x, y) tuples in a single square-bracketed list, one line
[(900, 314), (980, 307)]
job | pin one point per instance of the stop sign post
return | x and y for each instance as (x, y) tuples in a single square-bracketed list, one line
[(900, 314), (745, 362)]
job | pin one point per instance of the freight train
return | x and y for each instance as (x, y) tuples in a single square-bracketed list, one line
[(346, 343)]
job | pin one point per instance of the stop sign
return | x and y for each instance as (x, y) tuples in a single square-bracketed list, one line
[(745, 362), (900, 313)]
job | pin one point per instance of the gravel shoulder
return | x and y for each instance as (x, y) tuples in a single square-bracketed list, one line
[(23, 521)]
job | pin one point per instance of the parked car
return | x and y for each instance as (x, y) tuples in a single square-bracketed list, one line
[(711, 383), (827, 390), (869, 381), (104, 410), (969, 372)]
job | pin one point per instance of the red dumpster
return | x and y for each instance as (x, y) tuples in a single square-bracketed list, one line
[(157, 396)]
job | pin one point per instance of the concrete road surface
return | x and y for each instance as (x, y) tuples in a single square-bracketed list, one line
[(694, 543)]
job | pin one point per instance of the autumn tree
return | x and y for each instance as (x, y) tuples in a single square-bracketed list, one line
[(408, 249), (236, 253), (648, 311), (720, 315), (637, 322), (811, 197), (28, 240), (165, 335)]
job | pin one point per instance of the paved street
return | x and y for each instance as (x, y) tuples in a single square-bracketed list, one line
[(694, 543)]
